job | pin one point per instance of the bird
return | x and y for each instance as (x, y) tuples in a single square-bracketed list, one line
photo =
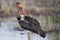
[(31, 24)]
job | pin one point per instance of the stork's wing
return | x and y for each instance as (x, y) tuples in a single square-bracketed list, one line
[(29, 27), (31, 20), (34, 28)]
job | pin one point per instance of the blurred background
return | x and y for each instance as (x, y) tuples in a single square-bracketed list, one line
[(47, 12)]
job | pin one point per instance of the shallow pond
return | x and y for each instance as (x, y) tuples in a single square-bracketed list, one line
[(8, 32)]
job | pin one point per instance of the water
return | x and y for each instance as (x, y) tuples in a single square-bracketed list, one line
[(8, 32)]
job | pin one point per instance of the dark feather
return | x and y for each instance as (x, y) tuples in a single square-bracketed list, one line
[(33, 25)]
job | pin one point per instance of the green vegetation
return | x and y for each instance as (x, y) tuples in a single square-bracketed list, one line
[(58, 8), (55, 19), (56, 36), (46, 18)]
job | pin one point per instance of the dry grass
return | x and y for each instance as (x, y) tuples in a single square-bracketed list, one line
[(41, 10), (10, 10)]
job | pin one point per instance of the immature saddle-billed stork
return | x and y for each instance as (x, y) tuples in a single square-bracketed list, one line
[(29, 23)]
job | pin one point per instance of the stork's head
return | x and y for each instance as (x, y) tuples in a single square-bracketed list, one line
[(18, 4)]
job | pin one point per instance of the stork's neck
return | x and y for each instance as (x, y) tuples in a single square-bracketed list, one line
[(22, 17)]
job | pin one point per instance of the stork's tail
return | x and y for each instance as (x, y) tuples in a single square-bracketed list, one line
[(42, 33)]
